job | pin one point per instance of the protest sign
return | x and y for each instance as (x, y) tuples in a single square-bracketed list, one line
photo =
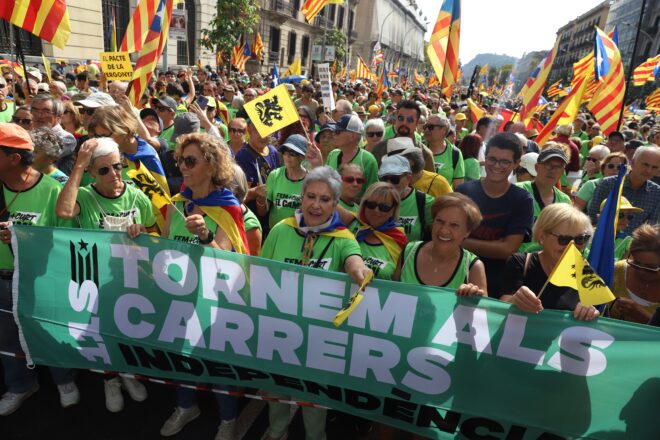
[(326, 87), (416, 357), (116, 66)]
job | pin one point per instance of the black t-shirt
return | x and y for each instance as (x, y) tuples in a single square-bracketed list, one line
[(553, 297)]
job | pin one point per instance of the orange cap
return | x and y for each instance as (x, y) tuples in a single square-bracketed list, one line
[(14, 136)]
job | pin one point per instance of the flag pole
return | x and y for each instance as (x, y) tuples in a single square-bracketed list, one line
[(632, 64)]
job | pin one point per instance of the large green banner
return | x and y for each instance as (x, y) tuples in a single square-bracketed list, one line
[(415, 357)]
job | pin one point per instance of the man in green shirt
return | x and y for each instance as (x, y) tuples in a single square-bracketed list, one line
[(461, 125), (7, 107), (578, 128), (448, 159), (166, 109)]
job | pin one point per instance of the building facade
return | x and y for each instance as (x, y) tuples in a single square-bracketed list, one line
[(576, 39)]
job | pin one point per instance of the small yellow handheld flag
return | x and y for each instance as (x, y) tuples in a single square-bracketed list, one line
[(272, 111), (353, 302), (47, 68), (574, 271)]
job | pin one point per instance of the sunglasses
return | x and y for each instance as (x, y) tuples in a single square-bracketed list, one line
[(611, 166), (190, 161), (289, 152), (105, 170), (564, 240), (374, 134), (430, 127), (409, 119), (160, 108), (236, 130), (628, 217), (21, 121), (394, 180), (644, 268), (382, 207), (351, 180), (86, 111)]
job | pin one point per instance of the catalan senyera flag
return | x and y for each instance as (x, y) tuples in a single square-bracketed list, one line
[(442, 49), (483, 71), (258, 47), (607, 101), (573, 271), (433, 81), (645, 71), (151, 50), (534, 86), (47, 19), (565, 113), (138, 28), (312, 7), (362, 70), (113, 33), (272, 111), (653, 100), (419, 79)]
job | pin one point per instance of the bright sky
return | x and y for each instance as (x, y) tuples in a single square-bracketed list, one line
[(508, 27)]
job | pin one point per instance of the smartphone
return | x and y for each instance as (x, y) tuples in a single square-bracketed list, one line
[(202, 101)]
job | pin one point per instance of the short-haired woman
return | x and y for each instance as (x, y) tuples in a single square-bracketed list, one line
[(47, 149)]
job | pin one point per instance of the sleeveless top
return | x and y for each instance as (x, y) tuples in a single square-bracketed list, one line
[(459, 276)]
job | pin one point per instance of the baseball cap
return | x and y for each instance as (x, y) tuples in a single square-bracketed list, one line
[(460, 117), (527, 161), (399, 145), (146, 112), (350, 123), (211, 101), (295, 142), (597, 140), (185, 123), (228, 89), (165, 101), (531, 133), (96, 100), (325, 127), (14, 136), (551, 153), (394, 166)]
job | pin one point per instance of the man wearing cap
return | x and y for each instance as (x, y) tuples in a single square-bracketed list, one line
[(228, 93), (348, 133), (47, 112), (166, 109), (578, 128), (526, 171), (290, 88), (29, 198), (325, 139), (549, 167), (506, 209), (447, 158), (415, 211), (461, 125), (638, 188), (7, 107)]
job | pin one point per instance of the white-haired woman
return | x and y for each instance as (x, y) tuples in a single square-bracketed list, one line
[(110, 204), (373, 133), (47, 149), (591, 167)]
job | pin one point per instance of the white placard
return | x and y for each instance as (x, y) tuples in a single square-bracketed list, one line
[(326, 87), (179, 25)]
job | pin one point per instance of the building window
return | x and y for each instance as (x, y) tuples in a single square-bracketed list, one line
[(304, 51), (185, 50), (350, 20), (275, 40), (340, 17), (121, 11), (331, 15), (30, 43), (292, 47)]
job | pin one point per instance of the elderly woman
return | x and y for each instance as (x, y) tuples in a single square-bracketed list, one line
[(608, 167), (381, 241), (373, 133), (47, 149), (314, 237), (526, 273), (352, 183), (637, 279), (442, 261), (207, 170), (284, 184), (591, 168), (108, 204)]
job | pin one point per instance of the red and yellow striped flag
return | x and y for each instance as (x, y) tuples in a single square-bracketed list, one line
[(645, 71), (565, 113), (653, 100), (47, 19), (138, 28), (608, 99), (556, 89), (312, 7), (442, 49), (258, 47), (362, 71), (534, 86)]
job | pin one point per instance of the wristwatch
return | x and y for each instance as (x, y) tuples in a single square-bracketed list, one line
[(208, 240)]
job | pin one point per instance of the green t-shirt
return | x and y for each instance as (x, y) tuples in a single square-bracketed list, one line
[(284, 243), (621, 247), (459, 276), (389, 134), (364, 159), (378, 259), (166, 135), (283, 194), (353, 208), (472, 169), (586, 191), (250, 220), (131, 203), (8, 112), (178, 230), (444, 164), (409, 215), (34, 206), (560, 197)]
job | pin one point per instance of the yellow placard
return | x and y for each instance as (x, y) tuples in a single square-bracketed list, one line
[(353, 302), (47, 67), (116, 66), (272, 111)]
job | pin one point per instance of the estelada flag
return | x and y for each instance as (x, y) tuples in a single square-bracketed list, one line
[(47, 19), (272, 111), (573, 271)]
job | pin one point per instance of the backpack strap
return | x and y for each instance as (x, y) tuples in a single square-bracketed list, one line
[(454, 157), (420, 199)]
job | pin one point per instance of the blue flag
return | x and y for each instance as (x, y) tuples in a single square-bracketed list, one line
[(275, 77)]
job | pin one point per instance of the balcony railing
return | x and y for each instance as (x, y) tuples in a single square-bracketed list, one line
[(281, 6)]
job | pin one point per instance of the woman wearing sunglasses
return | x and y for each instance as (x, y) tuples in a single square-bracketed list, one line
[(637, 279), (352, 183), (608, 167), (442, 261), (373, 132), (108, 204), (23, 117), (525, 274)]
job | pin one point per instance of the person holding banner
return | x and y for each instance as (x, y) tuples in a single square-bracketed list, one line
[(111, 204), (525, 277), (443, 262), (315, 237)]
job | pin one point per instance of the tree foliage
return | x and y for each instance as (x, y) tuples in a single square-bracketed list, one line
[(335, 37), (232, 19)]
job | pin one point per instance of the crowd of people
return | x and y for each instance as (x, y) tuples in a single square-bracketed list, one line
[(407, 185)]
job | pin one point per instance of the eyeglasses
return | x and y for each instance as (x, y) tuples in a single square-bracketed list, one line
[(289, 152), (409, 119), (86, 111), (374, 134), (382, 207), (351, 180), (564, 240), (236, 130), (628, 217), (504, 163), (21, 121), (591, 159), (105, 170), (41, 110), (553, 167), (612, 166), (644, 268), (190, 161), (394, 180), (430, 127)]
